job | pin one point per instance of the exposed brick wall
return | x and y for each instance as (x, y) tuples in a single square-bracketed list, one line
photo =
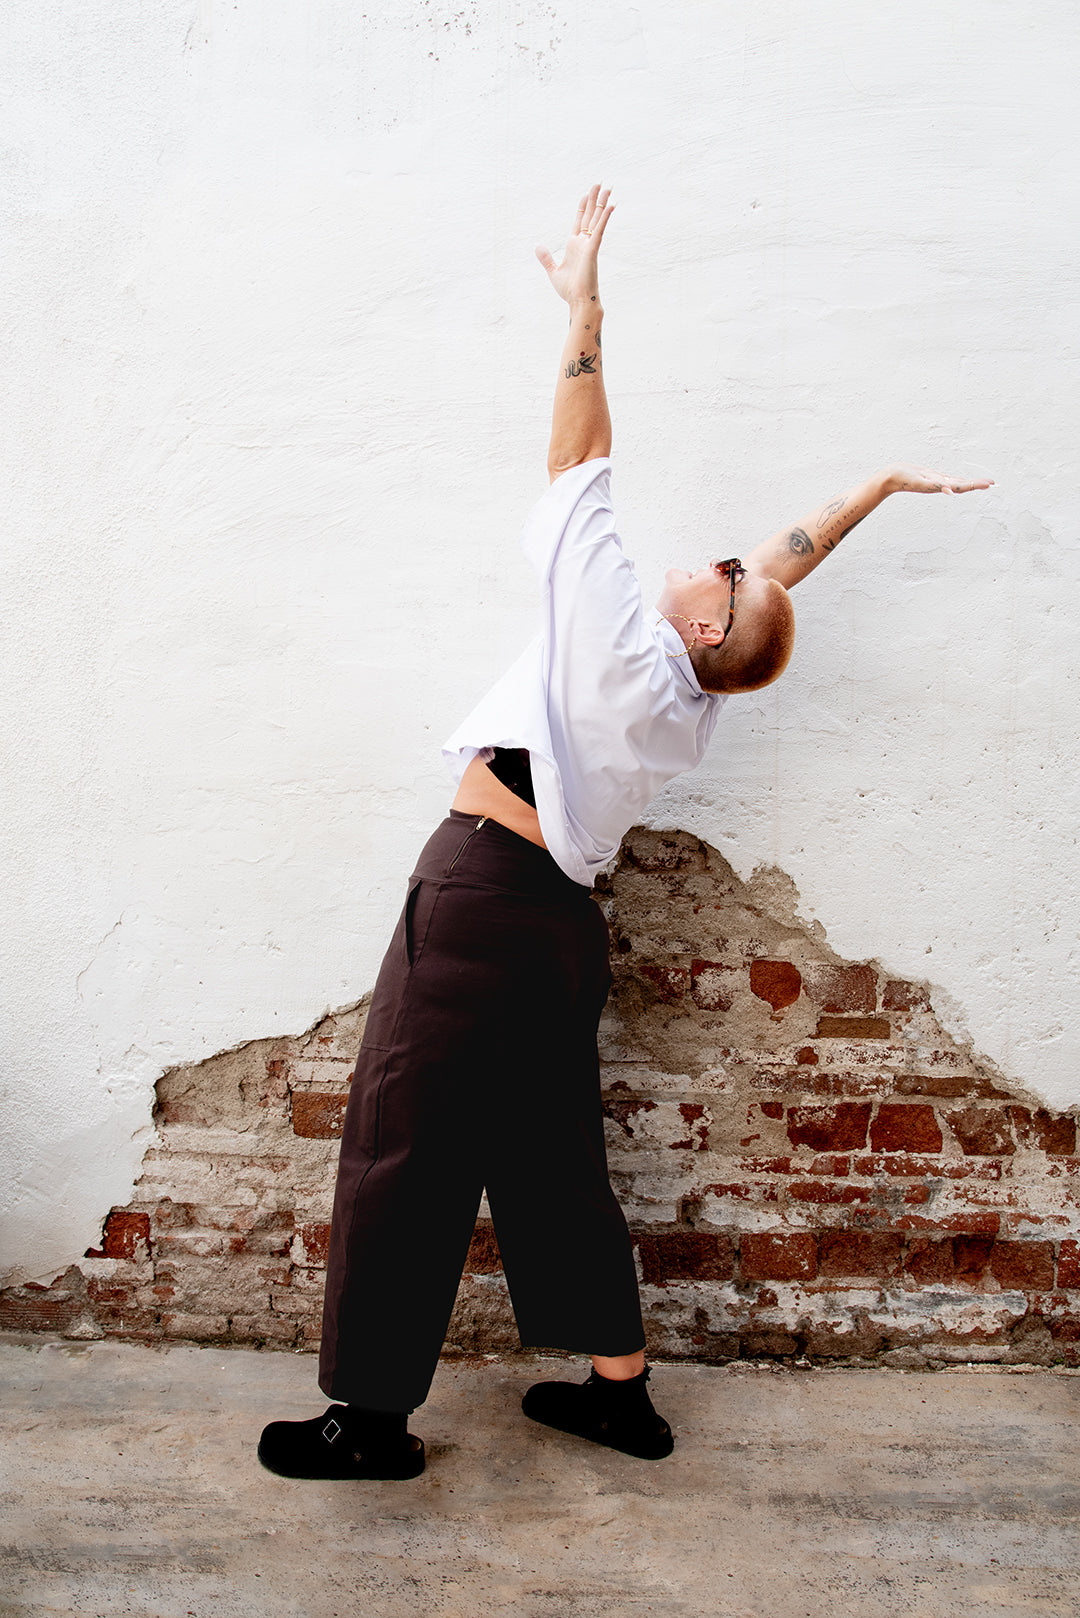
[(809, 1164)]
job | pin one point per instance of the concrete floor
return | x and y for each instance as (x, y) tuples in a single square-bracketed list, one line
[(130, 1486)]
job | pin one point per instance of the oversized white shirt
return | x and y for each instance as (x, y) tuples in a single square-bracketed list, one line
[(607, 716)]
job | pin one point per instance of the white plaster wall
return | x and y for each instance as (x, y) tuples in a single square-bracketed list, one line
[(279, 365)]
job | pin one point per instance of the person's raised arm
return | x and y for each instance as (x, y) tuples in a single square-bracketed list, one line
[(580, 424), (797, 549)]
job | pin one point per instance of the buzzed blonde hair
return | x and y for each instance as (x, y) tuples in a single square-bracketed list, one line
[(758, 649)]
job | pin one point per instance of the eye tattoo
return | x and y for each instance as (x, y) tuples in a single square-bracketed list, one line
[(800, 544)]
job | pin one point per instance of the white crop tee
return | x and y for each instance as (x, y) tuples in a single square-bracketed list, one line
[(607, 716)]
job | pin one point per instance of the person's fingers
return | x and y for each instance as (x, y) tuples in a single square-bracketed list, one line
[(590, 209), (546, 259), (599, 229), (598, 208), (580, 215), (927, 481), (955, 486)]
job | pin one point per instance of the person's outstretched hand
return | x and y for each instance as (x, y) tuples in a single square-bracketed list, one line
[(906, 479), (575, 279)]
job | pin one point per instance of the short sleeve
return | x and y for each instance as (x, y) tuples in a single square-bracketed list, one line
[(574, 513)]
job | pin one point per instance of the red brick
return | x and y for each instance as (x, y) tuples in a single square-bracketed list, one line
[(853, 1252), (742, 1191), (822, 1191), (835, 1167), (929, 1261), (278, 1275), (901, 1127), (826, 1083), (778, 982), (1052, 1132), (806, 1056), (947, 1085), (484, 1257), (970, 1255), (671, 982), (853, 1028), (37, 1308), (100, 1289), (1069, 1264), (126, 1234), (712, 985), (1024, 1266), (842, 988), (318, 1115), (685, 1255), (772, 1109), (788, 1257), (937, 1168), (128, 1322), (898, 995), (315, 1242), (981, 1131), (838, 1129), (971, 1224), (697, 1132), (833, 1342)]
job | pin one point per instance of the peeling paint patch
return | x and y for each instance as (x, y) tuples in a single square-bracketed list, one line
[(851, 1189)]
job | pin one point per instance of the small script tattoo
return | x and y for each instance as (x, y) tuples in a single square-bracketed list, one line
[(831, 544), (800, 544), (584, 363)]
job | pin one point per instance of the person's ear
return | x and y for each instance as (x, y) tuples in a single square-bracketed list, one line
[(708, 634)]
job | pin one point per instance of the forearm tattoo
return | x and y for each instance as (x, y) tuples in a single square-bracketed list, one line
[(800, 544), (831, 544), (831, 509), (835, 523), (584, 364)]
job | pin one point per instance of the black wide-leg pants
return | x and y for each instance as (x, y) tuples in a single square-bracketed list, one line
[(478, 1068)]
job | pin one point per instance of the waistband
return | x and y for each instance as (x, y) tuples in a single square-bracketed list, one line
[(475, 849)]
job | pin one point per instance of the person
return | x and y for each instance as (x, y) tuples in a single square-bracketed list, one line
[(478, 1066)]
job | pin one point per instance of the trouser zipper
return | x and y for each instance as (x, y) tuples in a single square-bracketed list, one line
[(465, 844)]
